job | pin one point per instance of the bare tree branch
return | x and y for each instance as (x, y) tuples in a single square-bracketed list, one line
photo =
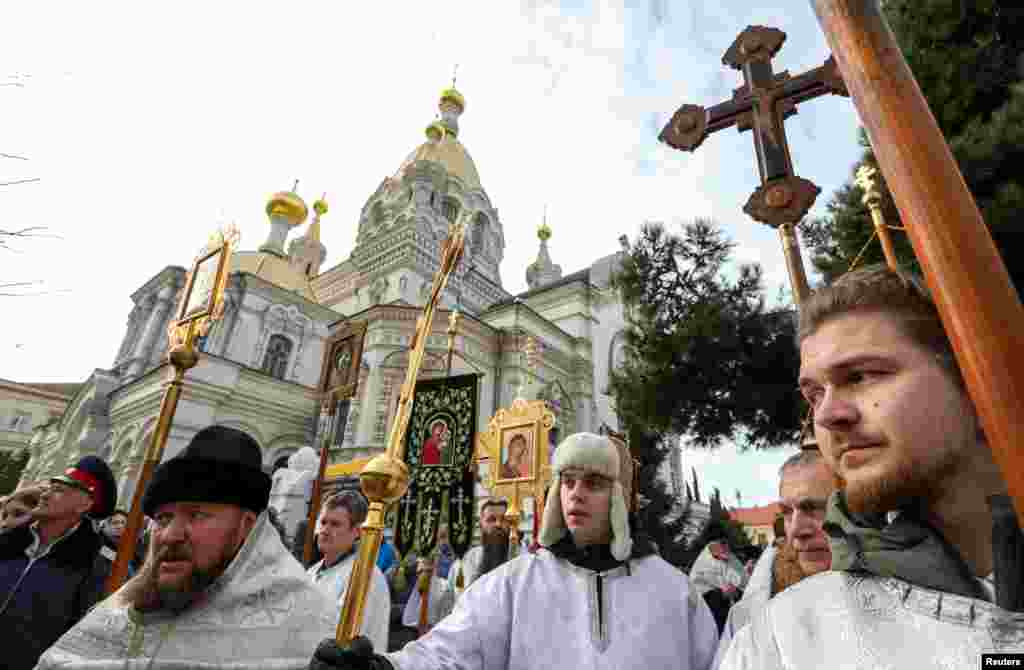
[(20, 181), (13, 157), (13, 83)]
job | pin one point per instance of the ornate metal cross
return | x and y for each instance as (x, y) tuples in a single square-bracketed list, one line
[(763, 103), (460, 501)]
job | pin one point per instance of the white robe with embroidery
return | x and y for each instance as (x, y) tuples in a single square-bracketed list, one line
[(755, 598), (376, 613), (843, 621), (541, 612), (261, 614)]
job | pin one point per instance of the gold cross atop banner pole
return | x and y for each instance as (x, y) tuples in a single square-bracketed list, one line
[(386, 477)]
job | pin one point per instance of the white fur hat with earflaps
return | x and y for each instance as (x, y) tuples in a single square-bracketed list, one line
[(593, 454)]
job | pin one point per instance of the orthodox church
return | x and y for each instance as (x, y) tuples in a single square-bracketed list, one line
[(262, 360)]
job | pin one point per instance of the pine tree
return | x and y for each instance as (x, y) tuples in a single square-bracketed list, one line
[(968, 59), (703, 357), (661, 516)]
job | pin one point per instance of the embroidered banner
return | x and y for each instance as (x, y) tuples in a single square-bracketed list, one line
[(439, 446)]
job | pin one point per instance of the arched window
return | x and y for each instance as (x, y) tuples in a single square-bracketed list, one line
[(201, 342), (477, 232), (450, 209), (378, 214), (275, 361)]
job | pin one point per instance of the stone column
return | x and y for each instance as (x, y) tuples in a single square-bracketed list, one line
[(157, 315)]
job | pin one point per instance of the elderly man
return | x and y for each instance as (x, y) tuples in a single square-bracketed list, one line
[(218, 589), (594, 597), (910, 528), (51, 570), (337, 537), (805, 483)]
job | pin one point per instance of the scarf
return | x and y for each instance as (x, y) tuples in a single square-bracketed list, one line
[(906, 548)]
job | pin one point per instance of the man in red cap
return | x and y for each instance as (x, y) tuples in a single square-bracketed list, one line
[(51, 571)]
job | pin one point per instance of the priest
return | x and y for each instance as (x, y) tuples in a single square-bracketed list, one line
[(218, 588), (594, 597)]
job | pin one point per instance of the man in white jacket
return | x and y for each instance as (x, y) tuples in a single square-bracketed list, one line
[(805, 483), (592, 597), (337, 536), (914, 572)]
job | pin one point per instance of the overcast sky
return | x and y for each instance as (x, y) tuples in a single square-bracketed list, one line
[(149, 126)]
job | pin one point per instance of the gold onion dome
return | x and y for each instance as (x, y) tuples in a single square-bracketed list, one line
[(544, 232), (320, 207), (452, 95), (289, 205), (435, 131)]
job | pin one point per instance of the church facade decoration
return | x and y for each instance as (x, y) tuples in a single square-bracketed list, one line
[(384, 278)]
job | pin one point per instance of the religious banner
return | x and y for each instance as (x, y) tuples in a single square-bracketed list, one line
[(440, 441)]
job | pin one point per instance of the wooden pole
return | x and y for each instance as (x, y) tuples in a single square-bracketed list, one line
[(326, 428), (979, 307), (794, 263)]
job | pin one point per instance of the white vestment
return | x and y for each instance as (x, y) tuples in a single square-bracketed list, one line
[(376, 613), (541, 612), (851, 621), (442, 599), (755, 598), (710, 573), (470, 565), (262, 613)]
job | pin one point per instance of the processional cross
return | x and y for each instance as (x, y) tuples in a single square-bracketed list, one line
[(763, 104)]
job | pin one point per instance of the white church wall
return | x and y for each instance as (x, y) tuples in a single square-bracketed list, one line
[(606, 346)]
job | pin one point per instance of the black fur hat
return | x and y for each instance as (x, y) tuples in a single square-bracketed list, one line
[(219, 465)]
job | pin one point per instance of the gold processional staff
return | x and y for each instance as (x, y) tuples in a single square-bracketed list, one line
[(386, 477)]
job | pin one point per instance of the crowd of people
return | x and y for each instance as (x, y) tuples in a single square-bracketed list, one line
[(886, 554)]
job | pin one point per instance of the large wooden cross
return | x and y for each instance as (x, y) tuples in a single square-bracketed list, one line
[(762, 104)]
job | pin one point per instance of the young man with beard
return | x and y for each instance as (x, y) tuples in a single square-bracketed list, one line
[(218, 588), (910, 528), (805, 484), (337, 537), (51, 570), (594, 597)]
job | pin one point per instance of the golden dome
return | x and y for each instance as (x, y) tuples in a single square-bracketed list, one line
[(449, 153), (289, 205), (452, 95), (320, 207), (544, 232), (273, 269), (435, 131)]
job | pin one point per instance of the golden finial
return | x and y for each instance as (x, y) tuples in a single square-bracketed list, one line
[(452, 94), (320, 206), (544, 230)]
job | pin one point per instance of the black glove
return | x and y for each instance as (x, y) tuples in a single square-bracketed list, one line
[(357, 656)]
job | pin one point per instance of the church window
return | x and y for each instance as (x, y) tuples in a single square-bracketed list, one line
[(275, 361), (378, 214), (450, 209), (20, 422), (478, 231), (201, 342)]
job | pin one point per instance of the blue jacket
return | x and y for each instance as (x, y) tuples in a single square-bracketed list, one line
[(41, 599), (386, 556)]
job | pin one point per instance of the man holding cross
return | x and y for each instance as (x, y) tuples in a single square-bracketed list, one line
[(914, 578)]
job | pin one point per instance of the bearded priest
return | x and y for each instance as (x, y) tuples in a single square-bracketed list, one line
[(218, 589), (593, 597)]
